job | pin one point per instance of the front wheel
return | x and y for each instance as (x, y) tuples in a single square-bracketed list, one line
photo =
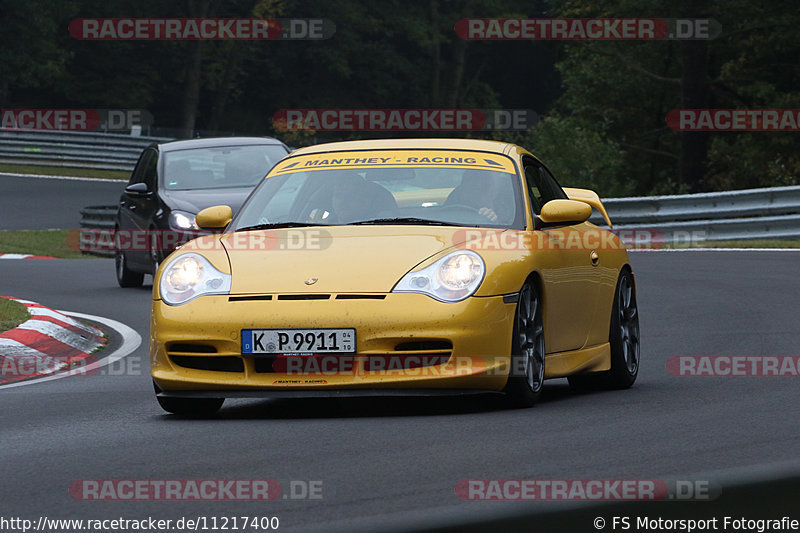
[(126, 277), (525, 380), (623, 337)]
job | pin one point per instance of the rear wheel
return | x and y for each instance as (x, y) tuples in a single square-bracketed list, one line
[(190, 406), (624, 340), (525, 380)]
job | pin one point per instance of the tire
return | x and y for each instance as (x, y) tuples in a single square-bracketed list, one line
[(126, 278), (623, 336), (526, 377), (190, 406)]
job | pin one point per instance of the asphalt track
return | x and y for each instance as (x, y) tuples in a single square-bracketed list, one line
[(47, 203), (385, 461), (385, 457)]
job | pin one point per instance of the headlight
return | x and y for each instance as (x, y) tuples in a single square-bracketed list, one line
[(182, 220), (189, 276), (452, 278)]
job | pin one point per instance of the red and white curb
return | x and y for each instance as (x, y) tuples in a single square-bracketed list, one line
[(48, 342), (24, 256)]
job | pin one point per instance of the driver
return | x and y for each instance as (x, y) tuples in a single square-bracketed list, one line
[(347, 201), (477, 190)]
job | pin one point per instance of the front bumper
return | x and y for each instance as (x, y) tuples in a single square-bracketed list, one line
[(478, 331)]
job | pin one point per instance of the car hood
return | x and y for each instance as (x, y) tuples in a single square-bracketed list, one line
[(193, 201), (342, 259)]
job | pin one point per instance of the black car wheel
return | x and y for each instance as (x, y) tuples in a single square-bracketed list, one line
[(525, 380), (623, 337), (125, 277)]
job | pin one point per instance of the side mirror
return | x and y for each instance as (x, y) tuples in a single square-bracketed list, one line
[(137, 189), (216, 217), (565, 212)]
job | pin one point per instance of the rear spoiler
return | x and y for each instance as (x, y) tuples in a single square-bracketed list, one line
[(589, 197)]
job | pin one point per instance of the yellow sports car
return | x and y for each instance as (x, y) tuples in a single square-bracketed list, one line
[(396, 267)]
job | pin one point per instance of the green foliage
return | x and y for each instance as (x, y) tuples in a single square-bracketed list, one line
[(54, 243), (31, 50), (604, 102), (579, 156), (12, 314), (625, 89)]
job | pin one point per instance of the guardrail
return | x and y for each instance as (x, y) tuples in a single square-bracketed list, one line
[(767, 213), (104, 151), (97, 230), (770, 213)]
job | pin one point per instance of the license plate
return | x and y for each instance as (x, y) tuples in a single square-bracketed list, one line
[(296, 341)]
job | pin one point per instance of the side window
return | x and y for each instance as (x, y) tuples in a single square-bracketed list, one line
[(146, 160), (542, 186), (532, 179), (151, 171), (553, 188)]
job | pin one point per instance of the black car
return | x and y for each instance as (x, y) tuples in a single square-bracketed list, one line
[(173, 181)]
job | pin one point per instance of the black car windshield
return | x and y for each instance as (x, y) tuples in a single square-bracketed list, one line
[(219, 167), (386, 196)]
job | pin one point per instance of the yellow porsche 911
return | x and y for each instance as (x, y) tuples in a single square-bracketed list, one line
[(396, 267)]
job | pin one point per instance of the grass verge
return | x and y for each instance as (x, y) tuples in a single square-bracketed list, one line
[(12, 314), (65, 171), (60, 243)]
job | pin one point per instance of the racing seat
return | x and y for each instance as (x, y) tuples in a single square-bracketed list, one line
[(378, 202), (475, 190)]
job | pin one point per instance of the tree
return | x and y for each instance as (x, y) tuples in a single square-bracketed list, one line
[(31, 54), (625, 89)]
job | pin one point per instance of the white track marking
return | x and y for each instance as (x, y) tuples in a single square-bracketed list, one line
[(70, 178), (130, 341)]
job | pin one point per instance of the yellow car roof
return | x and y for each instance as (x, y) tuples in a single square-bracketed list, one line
[(394, 144)]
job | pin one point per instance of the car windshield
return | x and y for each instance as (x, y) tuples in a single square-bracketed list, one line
[(219, 167), (426, 193)]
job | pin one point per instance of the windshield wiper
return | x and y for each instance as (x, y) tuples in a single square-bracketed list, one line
[(405, 220), (278, 225)]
